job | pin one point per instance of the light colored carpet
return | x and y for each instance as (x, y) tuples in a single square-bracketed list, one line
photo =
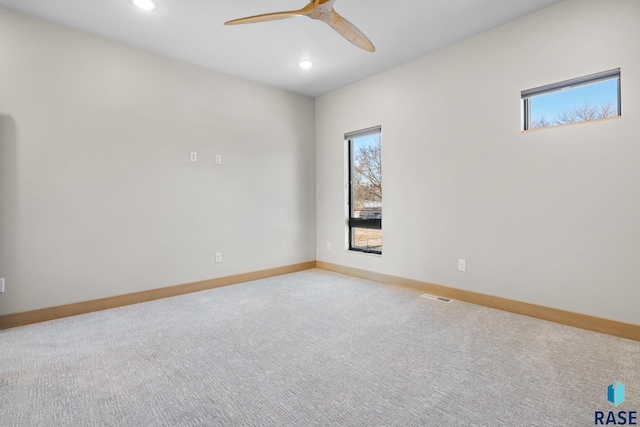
[(305, 349)]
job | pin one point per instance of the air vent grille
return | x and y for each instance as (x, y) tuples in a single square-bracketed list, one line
[(436, 298)]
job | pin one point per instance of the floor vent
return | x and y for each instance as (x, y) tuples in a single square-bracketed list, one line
[(436, 298)]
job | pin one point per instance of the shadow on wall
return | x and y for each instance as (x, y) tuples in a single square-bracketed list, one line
[(8, 206)]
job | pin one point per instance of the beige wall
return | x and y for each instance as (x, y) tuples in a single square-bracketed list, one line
[(97, 194), (548, 217), (97, 197)]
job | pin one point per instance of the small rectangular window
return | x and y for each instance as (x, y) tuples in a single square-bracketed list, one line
[(592, 97), (365, 190)]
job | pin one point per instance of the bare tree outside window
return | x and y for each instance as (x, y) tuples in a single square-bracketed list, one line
[(367, 168), (581, 113)]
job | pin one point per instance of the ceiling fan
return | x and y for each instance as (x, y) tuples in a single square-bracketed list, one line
[(317, 9)]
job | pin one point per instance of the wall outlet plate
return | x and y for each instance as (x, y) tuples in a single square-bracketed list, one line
[(218, 256), (462, 265), (1, 286)]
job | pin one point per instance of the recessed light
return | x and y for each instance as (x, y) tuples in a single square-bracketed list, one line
[(305, 64), (145, 4)]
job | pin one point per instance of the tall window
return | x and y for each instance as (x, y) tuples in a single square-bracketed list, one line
[(592, 97), (365, 190)]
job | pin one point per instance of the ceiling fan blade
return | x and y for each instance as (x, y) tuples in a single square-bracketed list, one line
[(275, 15), (350, 32), (265, 17)]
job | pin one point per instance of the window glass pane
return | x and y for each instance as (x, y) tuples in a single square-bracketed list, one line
[(366, 239), (582, 103), (366, 178)]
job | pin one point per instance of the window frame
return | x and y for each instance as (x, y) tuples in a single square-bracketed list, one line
[(352, 222), (526, 95)]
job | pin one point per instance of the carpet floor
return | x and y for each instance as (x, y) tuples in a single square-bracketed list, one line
[(312, 348)]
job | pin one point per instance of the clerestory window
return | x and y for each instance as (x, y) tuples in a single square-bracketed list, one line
[(583, 99)]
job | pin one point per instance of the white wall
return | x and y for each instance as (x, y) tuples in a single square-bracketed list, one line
[(548, 217), (97, 196)]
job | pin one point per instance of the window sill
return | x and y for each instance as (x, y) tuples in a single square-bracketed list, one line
[(374, 254)]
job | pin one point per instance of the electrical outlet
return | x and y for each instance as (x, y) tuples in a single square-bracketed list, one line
[(462, 265), (218, 159), (328, 246), (218, 256), (1, 286), (193, 157)]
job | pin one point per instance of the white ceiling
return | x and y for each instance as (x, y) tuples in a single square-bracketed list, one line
[(193, 31)]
